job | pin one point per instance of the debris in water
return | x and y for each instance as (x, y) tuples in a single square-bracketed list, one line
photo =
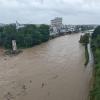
[(24, 90), (48, 93), (5, 58), (24, 87), (56, 76), (42, 85), (30, 81), (9, 96)]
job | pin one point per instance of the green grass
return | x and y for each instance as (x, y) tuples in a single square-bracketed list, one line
[(95, 93), (95, 44), (86, 55)]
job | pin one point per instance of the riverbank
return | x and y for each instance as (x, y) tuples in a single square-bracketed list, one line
[(86, 55), (95, 44), (84, 39), (61, 34)]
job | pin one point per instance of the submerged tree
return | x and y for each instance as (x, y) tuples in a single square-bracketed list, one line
[(84, 39)]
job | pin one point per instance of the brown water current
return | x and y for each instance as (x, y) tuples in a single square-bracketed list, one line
[(51, 71)]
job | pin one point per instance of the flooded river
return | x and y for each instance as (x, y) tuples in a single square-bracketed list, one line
[(51, 71)]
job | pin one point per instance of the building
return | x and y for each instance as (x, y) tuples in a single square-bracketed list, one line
[(56, 22), (19, 25), (70, 28), (56, 25)]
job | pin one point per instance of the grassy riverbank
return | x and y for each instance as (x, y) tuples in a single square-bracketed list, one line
[(95, 44), (86, 55)]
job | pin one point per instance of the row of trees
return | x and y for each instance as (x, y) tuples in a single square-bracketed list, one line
[(27, 36)]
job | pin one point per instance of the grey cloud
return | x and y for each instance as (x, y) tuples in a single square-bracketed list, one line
[(41, 11)]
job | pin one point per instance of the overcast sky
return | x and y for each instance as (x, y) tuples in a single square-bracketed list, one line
[(42, 11)]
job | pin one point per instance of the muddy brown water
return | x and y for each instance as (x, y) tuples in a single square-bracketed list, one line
[(51, 71)]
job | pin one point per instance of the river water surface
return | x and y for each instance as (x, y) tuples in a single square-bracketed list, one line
[(51, 71)]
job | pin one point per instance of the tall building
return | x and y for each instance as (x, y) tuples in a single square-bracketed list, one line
[(56, 25), (57, 22)]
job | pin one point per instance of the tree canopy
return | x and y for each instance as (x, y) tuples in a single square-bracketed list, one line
[(27, 36), (96, 32), (84, 39)]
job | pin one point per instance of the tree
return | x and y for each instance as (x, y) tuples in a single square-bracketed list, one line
[(27, 36), (96, 32), (44, 30), (84, 39)]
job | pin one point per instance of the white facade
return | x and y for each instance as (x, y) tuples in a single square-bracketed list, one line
[(56, 25), (56, 22), (19, 25)]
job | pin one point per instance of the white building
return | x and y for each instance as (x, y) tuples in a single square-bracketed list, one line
[(19, 25), (71, 28), (56, 25), (56, 22)]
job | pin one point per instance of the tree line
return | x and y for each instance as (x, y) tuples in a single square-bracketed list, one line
[(27, 36)]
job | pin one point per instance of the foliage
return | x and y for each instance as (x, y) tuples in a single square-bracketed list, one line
[(95, 44), (86, 55), (86, 27), (84, 39), (96, 32), (27, 36)]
